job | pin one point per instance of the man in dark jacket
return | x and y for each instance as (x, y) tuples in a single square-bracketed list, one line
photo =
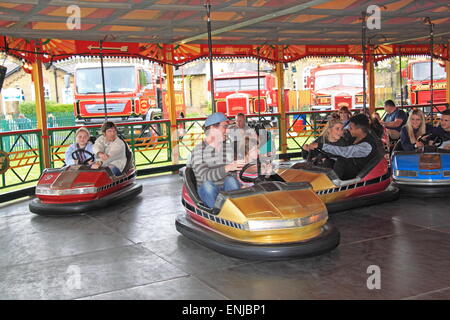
[(353, 158)]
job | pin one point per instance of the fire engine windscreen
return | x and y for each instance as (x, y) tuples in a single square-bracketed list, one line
[(240, 84), (421, 71), (117, 79), (334, 80)]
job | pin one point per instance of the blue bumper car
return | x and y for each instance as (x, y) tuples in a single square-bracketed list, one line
[(424, 172)]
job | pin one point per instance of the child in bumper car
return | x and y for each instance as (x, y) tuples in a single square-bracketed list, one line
[(81, 150)]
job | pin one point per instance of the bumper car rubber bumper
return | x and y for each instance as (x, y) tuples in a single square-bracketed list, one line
[(423, 190), (326, 241), (390, 194), (57, 209)]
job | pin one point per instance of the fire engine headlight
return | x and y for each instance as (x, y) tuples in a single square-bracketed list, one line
[(323, 100), (359, 99)]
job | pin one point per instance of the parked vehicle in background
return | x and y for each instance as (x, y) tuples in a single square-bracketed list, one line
[(238, 92), (134, 92), (336, 85), (418, 75)]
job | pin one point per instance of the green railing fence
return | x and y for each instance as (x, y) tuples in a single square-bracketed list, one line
[(150, 142), (29, 121)]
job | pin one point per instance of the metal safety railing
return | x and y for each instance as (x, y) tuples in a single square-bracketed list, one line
[(25, 157), (148, 140), (151, 141)]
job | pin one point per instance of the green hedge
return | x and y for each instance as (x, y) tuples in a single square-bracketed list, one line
[(51, 107)]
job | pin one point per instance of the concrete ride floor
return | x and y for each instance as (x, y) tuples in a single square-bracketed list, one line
[(133, 251)]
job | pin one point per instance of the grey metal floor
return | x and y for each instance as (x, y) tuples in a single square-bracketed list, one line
[(132, 251)]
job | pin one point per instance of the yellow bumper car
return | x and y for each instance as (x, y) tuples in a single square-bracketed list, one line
[(272, 219)]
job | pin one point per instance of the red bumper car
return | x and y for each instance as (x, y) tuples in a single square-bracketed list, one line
[(78, 189)]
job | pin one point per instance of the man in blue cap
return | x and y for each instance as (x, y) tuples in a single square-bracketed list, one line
[(212, 161)]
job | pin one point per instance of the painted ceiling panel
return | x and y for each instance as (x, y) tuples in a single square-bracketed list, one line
[(162, 24)]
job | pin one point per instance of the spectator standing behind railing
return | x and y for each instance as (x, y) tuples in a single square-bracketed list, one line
[(345, 115), (394, 119), (51, 121), (238, 132), (22, 122)]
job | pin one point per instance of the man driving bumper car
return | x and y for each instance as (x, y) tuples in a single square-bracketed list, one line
[(211, 161), (352, 159)]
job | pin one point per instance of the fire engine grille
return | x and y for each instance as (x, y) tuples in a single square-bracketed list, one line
[(99, 108)]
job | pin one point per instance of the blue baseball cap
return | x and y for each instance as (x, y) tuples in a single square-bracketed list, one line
[(217, 117)]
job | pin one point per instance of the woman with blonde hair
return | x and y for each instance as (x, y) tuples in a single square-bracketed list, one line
[(414, 128), (333, 133)]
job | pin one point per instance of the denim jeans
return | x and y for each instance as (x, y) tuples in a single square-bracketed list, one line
[(208, 191), (115, 170)]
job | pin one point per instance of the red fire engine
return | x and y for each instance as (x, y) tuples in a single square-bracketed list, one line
[(336, 85), (133, 93), (238, 92), (418, 82)]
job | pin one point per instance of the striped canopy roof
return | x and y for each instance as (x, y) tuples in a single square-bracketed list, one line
[(174, 31)]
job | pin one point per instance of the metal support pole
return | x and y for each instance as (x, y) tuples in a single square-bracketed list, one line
[(103, 81), (259, 84), (211, 71), (363, 46), (281, 106), (431, 28), (371, 76), (431, 68), (400, 74), (41, 113), (447, 91), (168, 69)]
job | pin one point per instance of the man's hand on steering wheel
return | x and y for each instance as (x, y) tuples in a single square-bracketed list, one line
[(235, 165)]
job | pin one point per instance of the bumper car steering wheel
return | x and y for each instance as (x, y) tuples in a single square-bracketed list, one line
[(85, 162), (257, 179), (434, 138), (320, 159)]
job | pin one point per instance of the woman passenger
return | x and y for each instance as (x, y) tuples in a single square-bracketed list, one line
[(110, 150), (333, 133)]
